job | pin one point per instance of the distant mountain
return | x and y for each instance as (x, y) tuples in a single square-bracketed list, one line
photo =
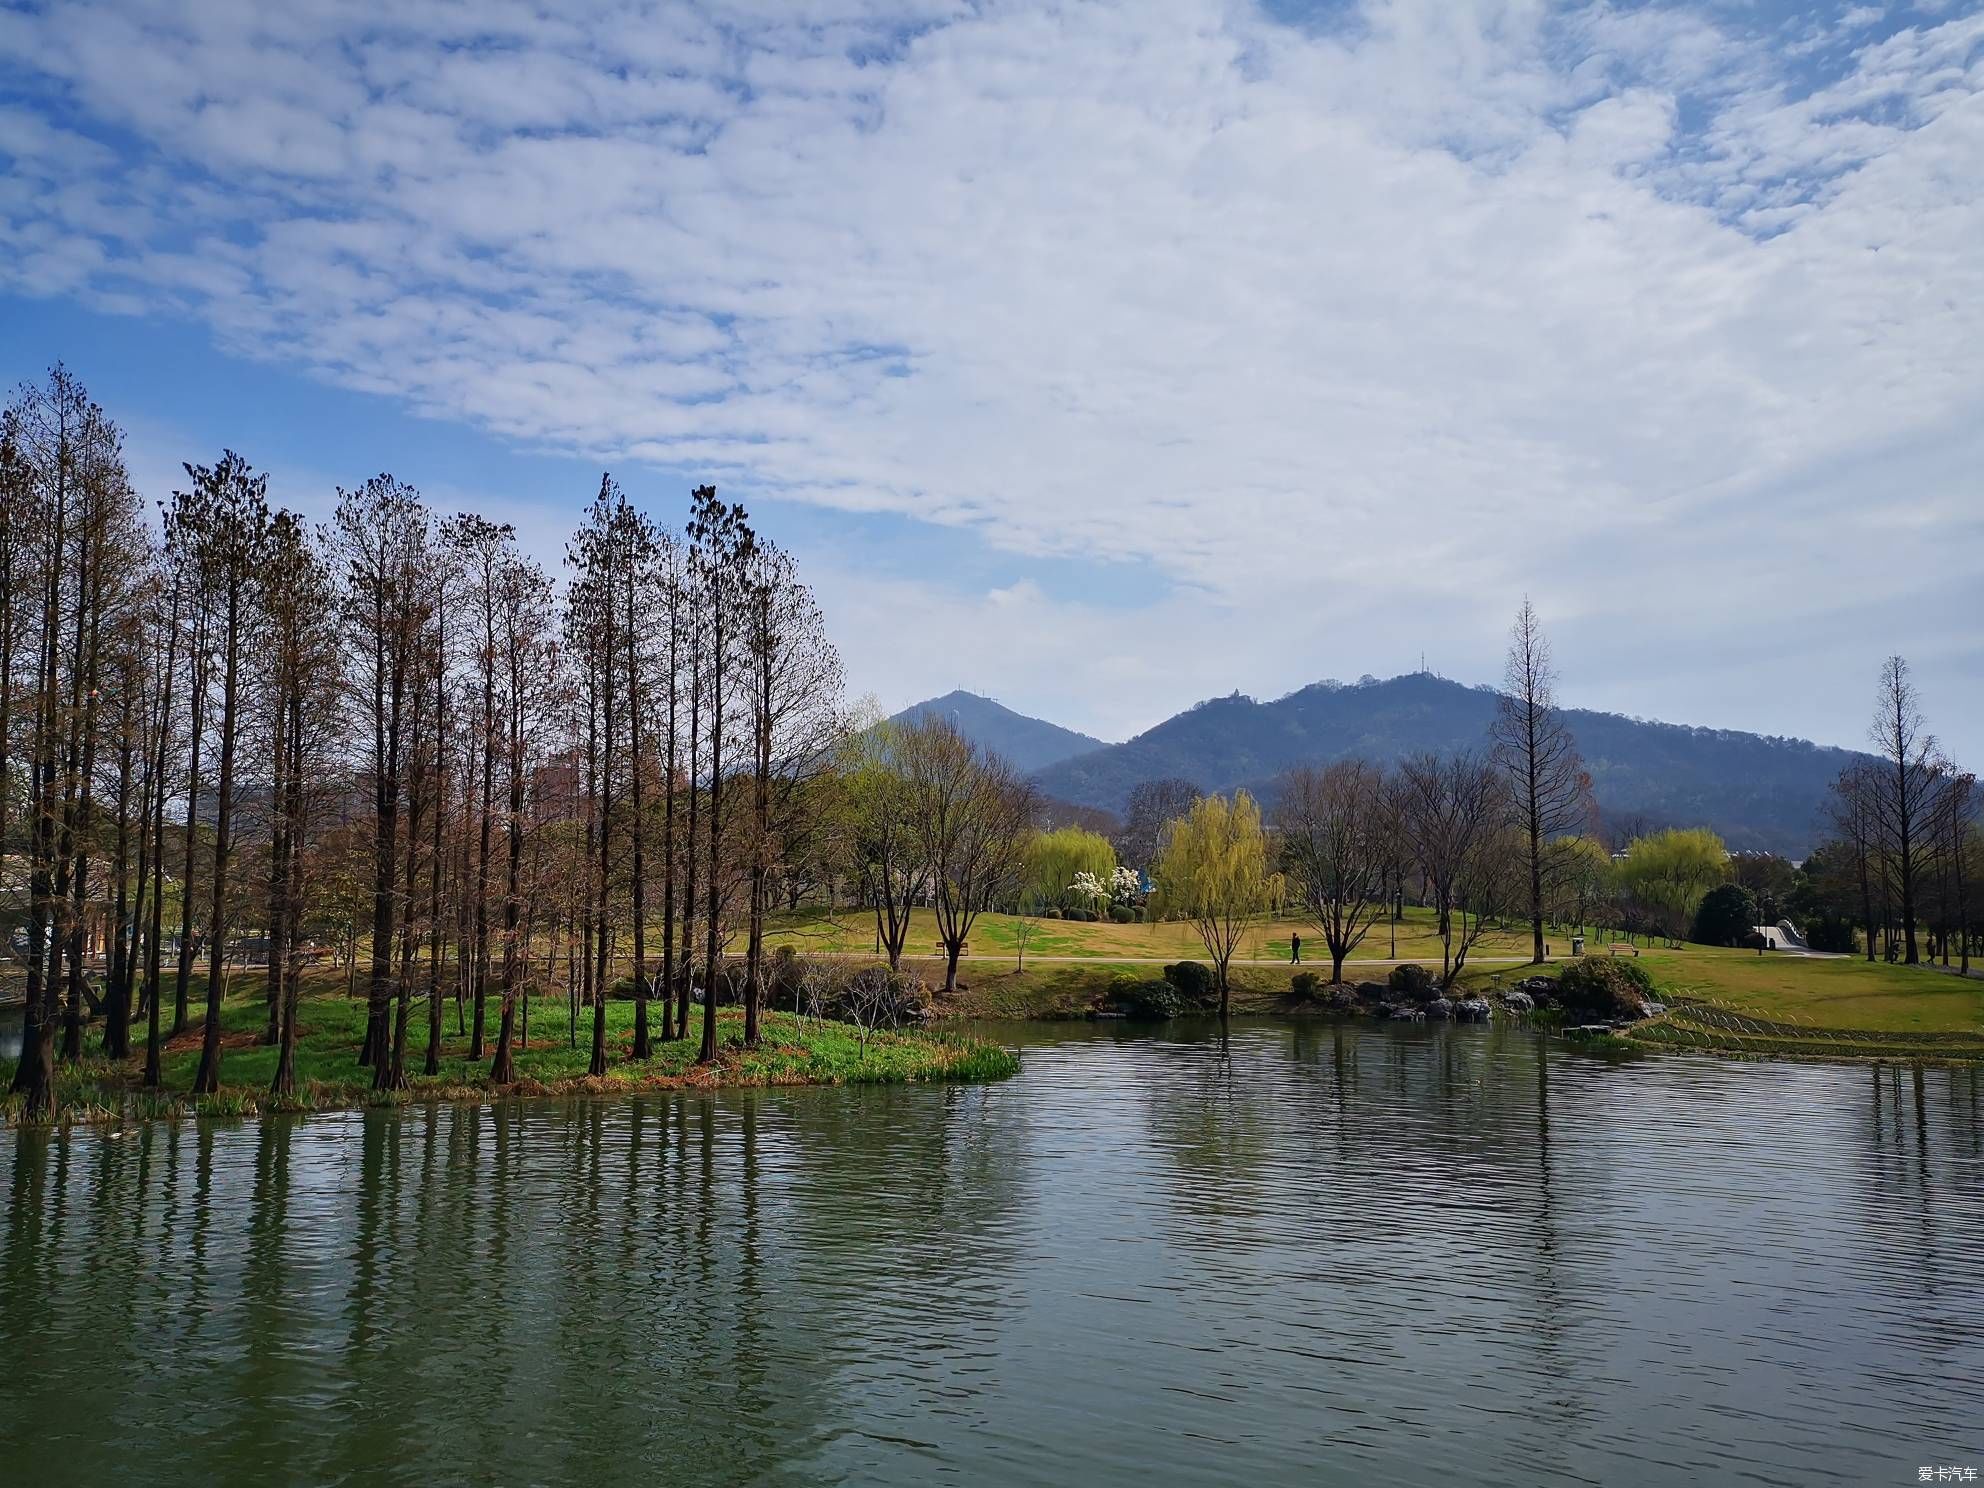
[(1028, 744), (1759, 793)]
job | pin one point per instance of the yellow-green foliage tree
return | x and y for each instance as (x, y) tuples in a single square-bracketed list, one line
[(1669, 872), (1052, 861), (1213, 869), (1581, 879)]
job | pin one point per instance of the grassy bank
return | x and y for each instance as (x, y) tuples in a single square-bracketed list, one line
[(1720, 1001), (792, 1051)]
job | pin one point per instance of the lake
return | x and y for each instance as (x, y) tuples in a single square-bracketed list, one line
[(1307, 1253)]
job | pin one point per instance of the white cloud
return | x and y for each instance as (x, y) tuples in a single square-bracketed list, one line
[(1395, 319)]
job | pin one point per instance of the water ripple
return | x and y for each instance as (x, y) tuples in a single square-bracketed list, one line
[(1304, 1253)]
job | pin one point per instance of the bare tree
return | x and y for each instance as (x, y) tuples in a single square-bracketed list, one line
[(63, 475), (234, 531), (972, 815), (303, 679), (1152, 805), (381, 536), (480, 547), (1450, 807), (795, 680), (1854, 816), (1549, 790), (524, 605), (1911, 774), (1333, 842), (721, 544)]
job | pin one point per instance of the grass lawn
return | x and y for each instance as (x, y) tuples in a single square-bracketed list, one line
[(792, 1051), (995, 936)]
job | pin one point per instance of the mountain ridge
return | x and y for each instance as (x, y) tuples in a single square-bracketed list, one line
[(1028, 744), (1760, 792)]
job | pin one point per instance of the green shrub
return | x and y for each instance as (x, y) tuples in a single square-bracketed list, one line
[(1605, 987), (1152, 999), (1411, 980), (1122, 914), (1194, 983), (1050, 913), (1304, 986)]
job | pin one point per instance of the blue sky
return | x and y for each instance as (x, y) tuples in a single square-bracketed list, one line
[(1097, 357)]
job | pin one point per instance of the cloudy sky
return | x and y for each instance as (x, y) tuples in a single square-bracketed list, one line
[(1097, 357)]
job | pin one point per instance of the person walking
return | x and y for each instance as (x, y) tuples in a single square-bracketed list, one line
[(1295, 950)]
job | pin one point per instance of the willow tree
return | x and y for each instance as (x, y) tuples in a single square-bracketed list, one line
[(1549, 789), (1054, 859), (1214, 869), (1669, 872)]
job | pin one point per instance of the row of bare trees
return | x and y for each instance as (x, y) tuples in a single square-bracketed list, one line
[(1483, 835), (925, 817), (390, 731), (1906, 823)]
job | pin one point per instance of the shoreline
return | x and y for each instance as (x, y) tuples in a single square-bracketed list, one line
[(793, 1052)]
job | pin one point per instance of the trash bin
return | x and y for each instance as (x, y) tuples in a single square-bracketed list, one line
[(1577, 945)]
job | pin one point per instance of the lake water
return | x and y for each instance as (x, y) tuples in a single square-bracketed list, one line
[(1310, 1253)]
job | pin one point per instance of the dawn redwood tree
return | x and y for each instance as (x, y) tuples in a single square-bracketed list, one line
[(1333, 844), (794, 711), (381, 538), (108, 551), (445, 582), (596, 555), (161, 746), (721, 544), (1214, 869), (233, 504), (59, 444), (1911, 775), (479, 548), (632, 576), (1549, 789), (128, 667), (524, 633), (303, 683), (673, 608), (16, 506)]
